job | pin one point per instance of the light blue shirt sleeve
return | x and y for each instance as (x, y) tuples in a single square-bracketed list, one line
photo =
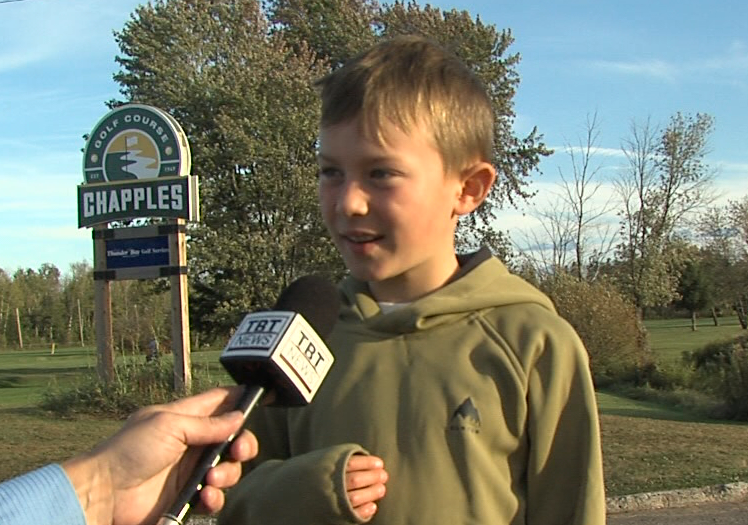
[(41, 497)]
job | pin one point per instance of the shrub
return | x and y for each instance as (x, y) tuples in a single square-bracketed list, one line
[(609, 327), (721, 369), (135, 385)]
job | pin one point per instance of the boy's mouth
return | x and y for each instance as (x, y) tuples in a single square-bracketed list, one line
[(361, 238), (361, 243)]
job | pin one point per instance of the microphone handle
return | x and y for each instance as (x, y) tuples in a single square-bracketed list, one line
[(189, 496)]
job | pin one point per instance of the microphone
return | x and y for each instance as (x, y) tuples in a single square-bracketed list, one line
[(278, 351)]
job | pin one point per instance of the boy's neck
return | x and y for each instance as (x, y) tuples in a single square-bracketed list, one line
[(406, 288)]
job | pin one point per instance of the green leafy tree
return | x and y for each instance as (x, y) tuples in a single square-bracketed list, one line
[(239, 78), (246, 101), (36, 294), (722, 258), (737, 212), (141, 313), (335, 30), (353, 25), (695, 289)]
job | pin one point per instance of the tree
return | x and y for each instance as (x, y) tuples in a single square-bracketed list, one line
[(78, 297), (353, 25), (548, 251), (33, 300), (240, 81), (573, 223), (695, 289), (607, 324), (335, 30), (246, 101), (666, 180), (5, 308), (722, 258), (737, 212)]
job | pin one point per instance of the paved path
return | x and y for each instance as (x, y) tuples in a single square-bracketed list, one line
[(722, 513)]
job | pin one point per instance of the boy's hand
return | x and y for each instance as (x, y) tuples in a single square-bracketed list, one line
[(364, 483)]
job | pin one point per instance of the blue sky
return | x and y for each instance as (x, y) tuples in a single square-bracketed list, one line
[(626, 60)]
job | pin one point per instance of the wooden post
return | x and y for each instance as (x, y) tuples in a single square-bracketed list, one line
[(180, 320), (18, 327), (103, 312)]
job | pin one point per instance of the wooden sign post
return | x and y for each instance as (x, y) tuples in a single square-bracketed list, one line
[(136, 164), (180, 318), (102, 311)]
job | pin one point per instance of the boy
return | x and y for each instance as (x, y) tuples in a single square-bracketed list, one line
[(471, 394)]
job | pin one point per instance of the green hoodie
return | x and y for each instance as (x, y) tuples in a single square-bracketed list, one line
[(477, 397)]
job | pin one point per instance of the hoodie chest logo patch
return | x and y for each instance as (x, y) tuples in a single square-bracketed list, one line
[(466, 418)]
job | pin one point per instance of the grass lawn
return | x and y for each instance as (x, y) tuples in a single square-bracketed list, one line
[(24, 375), (669, 338), (646, 446), (31, 437)]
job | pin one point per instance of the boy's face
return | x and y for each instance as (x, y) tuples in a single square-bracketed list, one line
[(390, 208)]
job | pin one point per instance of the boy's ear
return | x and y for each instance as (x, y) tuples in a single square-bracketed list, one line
[(476, 183)]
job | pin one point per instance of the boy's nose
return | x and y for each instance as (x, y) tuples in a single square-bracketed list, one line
[(352, 200)]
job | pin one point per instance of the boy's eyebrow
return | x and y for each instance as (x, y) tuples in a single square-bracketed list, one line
[(374, 159)]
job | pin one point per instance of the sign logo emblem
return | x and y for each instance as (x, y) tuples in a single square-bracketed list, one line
[(136, 142), (131, 155)]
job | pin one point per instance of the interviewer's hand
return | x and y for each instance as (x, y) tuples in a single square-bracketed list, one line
[(364, 483), (133, 477)]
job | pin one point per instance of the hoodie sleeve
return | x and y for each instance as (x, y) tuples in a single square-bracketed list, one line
[(282, 488), (565, 476), (309, 488)]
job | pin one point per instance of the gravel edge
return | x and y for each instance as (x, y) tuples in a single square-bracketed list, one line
[(727, 492)]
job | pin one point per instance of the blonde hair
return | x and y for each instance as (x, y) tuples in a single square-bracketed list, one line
[(411, 81)]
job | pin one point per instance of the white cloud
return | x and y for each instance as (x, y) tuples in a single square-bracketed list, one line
[(732, 171), (650, 68), (595, 151), (732, 63)]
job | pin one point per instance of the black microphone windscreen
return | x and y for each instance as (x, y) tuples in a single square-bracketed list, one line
[(315, 298)]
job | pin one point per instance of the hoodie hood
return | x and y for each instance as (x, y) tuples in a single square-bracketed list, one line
[(482, 282)]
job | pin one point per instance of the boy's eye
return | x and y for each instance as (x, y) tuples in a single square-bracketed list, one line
[(329, 173), (380, 174)]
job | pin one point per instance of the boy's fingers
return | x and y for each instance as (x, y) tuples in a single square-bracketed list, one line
[(366, 511), (361, 497), (364, 478), (359, 462)]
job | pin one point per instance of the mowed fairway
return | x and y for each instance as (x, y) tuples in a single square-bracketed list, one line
[(646, 446)]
